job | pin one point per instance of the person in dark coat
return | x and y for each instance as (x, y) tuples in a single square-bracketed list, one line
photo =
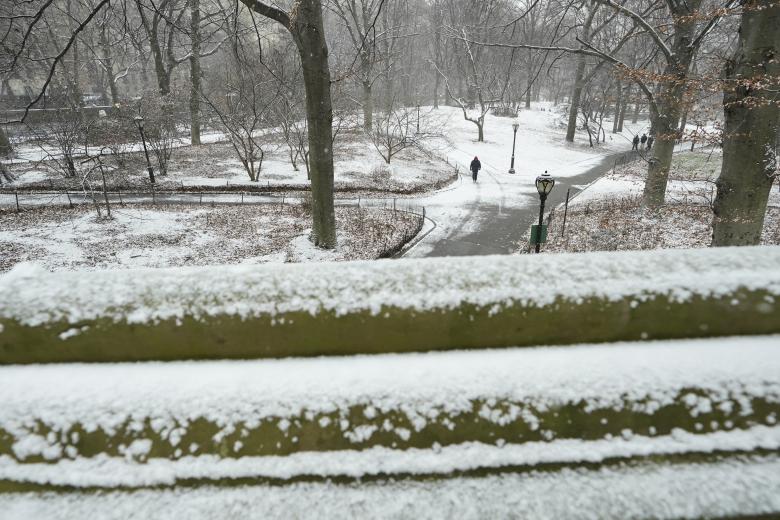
[(635, 143), (650, 142), (475, 167), (643, 140)]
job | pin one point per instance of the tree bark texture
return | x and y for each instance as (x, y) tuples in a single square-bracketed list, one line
[(307, 29), (750, 107), (195, 72)]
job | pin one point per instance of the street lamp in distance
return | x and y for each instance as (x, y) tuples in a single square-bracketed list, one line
[(544, 185), (515, 126), (139, 122)]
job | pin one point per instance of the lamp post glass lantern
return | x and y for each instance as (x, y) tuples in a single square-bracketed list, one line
[(544, 185), (515, 126), (139, 121)]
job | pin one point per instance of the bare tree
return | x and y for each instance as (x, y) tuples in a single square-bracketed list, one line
[(401, 129), (359, 17)]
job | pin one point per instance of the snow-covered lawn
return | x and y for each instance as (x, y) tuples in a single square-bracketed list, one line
[(357, 166), (608, 216), (145, 235)]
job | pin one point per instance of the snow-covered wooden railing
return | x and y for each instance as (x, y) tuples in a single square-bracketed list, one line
[(386, 306), (412, 416)]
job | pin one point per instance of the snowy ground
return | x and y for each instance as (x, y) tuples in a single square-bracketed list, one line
[(357, 166), (608, 214), (145, 235), (489, 217)]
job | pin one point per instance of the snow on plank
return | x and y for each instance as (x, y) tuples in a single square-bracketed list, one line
[(155, 423), (733, 487), (387, 306)]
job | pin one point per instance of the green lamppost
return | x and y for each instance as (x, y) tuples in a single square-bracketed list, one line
[(515, 126), (544, 185), (139, 122)]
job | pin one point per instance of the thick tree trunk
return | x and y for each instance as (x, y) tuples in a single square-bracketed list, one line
[(195, 72), (664, 127), (665, 114), (307, 29), (481, 133), (574, 102), (751, 130), (163, 77)]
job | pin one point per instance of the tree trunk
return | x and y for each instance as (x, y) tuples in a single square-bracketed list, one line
[(436, 91), (481, 134), (368, 107), (195, 73), (576, 94), (5, 144), (664, 127), (625, 98), (750, 136), (109, 65), (618, 108), (306, 27), (309, 34), (579, 82), (665, 117), (163, 75)]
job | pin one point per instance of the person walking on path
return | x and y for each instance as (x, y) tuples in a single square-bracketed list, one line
[(635, 143), (650, 142), (475, 167), (643, 140)]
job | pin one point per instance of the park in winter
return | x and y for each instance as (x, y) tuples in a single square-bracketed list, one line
[(393, 259)]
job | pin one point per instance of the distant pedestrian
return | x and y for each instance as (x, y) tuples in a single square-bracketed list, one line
[(475, 167), (635, 143), (650, 142), (643, 140)]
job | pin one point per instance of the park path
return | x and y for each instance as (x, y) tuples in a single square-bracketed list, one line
[(493, 216)]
